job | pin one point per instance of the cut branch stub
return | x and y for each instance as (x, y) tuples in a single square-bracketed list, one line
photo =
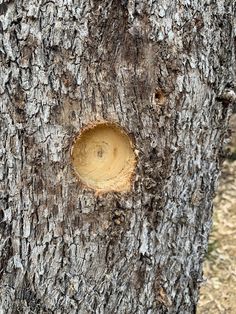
[(103, 158)]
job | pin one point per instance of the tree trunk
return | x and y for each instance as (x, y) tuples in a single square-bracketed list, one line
[(162, 71)]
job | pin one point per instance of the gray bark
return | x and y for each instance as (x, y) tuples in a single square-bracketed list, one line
[(163, 71)]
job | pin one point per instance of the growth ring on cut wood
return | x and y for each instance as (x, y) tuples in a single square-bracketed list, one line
[(103, 158)]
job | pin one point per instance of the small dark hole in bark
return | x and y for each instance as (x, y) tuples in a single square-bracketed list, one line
[(159, 97)]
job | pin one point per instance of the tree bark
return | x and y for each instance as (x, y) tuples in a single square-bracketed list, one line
[(161, 70)]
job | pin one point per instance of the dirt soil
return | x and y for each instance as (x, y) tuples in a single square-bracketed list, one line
[(218, 292)]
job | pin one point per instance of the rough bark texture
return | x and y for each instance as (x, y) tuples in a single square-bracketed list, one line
[(158, 69)]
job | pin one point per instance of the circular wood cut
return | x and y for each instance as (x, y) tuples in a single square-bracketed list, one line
[(103, 158)]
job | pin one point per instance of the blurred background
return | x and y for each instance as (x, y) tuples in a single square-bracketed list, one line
[(218, 291)]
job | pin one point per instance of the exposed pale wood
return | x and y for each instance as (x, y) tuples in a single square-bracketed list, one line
[(159, 70), (103, 158)]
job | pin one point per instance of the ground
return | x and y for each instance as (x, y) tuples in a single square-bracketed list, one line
[(219, 289)]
